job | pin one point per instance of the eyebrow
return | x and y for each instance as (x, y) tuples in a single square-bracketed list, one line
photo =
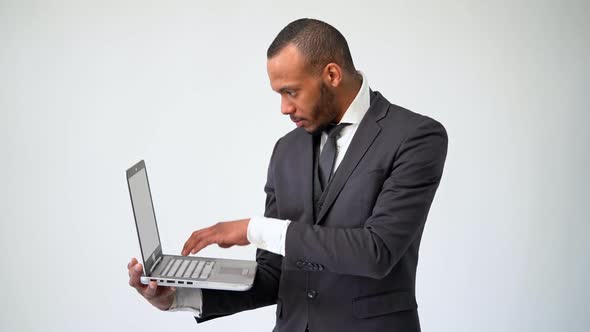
[(287, 87)]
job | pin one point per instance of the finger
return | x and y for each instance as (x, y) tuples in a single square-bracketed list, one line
[(150, 291), (188, 244), (196, 238), (191, 246), (133, 273), (134, 277), (165, 291), (131, 263)]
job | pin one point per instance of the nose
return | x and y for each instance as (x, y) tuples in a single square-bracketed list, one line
[(286, 106)]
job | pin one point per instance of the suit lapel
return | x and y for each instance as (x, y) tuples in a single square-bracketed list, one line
[(305, 172), (366, 133)]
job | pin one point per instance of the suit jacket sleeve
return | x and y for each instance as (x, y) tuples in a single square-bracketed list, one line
[(218, 303), (398, 216)]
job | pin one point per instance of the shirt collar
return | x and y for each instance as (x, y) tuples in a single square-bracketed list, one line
[(360, 105)]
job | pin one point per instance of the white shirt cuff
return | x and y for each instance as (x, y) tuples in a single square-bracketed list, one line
[(268, 234), (188, 299)]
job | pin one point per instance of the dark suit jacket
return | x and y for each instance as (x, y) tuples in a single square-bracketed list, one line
[(352, 266)]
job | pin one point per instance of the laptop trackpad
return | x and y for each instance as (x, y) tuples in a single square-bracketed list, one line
[(236, 271)]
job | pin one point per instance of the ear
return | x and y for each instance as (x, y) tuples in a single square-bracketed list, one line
[(332, 75)]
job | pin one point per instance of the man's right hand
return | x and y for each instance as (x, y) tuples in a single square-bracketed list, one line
[(159, 297)]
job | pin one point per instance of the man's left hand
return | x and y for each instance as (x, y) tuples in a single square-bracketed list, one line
[(225, 234)]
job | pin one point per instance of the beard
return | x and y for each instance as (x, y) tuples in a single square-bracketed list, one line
[(324, 111)]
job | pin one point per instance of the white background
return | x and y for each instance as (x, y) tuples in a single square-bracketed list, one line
[(89, 88)]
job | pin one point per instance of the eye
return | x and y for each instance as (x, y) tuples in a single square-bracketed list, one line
[(291, 93)]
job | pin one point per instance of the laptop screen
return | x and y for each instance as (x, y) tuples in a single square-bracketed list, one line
[(145, 218)]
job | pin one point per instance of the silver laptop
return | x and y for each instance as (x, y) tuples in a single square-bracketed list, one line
[(178, 271)]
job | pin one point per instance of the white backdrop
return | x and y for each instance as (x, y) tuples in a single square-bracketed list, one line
[(89, 88)]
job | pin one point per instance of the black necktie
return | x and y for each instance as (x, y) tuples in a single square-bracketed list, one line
[(328, 154)]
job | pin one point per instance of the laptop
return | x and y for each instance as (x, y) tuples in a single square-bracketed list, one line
[(178, 271)]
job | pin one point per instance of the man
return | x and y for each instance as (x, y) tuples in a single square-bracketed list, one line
[(348, 193)]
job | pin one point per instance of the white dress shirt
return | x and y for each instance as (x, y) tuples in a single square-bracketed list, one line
[(269, 233)]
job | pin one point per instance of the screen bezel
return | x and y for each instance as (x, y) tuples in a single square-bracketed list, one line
[(153, 257)]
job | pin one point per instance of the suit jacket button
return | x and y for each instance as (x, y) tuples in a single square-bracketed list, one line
[(311, 294)]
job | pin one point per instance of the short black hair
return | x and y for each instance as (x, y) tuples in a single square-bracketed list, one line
[(319, 42)]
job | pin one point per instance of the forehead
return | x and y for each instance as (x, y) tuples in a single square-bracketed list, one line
[(287, 68)]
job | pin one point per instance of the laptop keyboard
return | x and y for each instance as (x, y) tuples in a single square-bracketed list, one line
[(188, 268)]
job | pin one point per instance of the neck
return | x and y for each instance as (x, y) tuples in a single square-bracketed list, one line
[(350, 86)]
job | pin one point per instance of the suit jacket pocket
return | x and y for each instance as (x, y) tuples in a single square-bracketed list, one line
[(382, 304)]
